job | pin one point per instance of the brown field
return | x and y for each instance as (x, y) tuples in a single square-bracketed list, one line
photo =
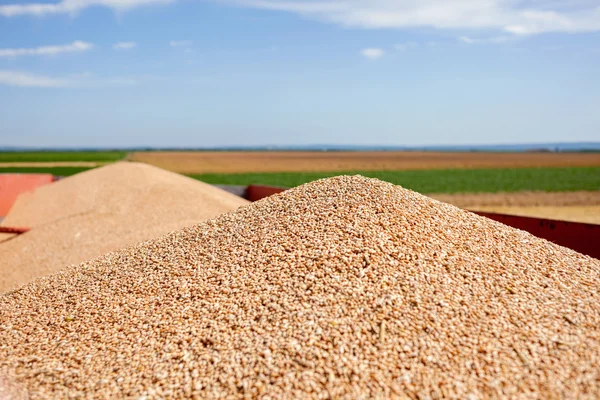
[(566, 206), (587, 214), (280, 161), (520, 199)]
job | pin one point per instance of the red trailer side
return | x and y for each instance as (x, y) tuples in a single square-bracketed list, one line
[(12, 185)]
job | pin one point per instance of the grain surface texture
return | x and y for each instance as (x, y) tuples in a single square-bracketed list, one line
[(343, 288)]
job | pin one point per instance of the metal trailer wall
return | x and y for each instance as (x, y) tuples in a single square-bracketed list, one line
[(12, 185)]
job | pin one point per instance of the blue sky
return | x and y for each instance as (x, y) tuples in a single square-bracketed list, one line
[(272, 72)]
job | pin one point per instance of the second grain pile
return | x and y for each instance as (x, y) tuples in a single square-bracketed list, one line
[(101, 210), (343, 288)]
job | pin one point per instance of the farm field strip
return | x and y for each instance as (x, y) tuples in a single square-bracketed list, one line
[(442, 180), (571, 194), (61, 156), (52, 164), (424, 181), (587, 214), (202, 162), (58, 171), (520, 199)]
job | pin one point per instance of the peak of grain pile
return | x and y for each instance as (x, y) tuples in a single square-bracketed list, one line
[(101, 210), (342, 288)]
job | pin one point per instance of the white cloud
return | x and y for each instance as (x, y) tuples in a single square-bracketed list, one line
[(518, 17), (83, 80), (86, 74), (180, 43), (103, 82), (493, 40), (124, 45), (24, 79), (405, 46), (72, 6), (467, 40), (372, 53), (552, 48), (76, 46)]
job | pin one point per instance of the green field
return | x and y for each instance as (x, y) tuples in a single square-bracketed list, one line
[(441, 181), (424, 181), (64, 156), (57, 171)]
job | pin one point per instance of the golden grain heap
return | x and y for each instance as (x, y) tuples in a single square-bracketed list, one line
[(102, 210), (342, 288)]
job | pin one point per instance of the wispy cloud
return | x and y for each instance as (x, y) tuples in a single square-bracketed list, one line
[(124, 45), (180, 43), (24, 79), (72, 6), (552, 47), (492, 40), (372, 53), (405, 46), (83, 80), (76, 46), (92, 83), (514, 17)]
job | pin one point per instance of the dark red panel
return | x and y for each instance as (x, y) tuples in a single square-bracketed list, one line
[(257, 192)]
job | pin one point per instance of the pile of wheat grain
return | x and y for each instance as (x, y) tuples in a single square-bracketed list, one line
[(342, 288), (105, 209)]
